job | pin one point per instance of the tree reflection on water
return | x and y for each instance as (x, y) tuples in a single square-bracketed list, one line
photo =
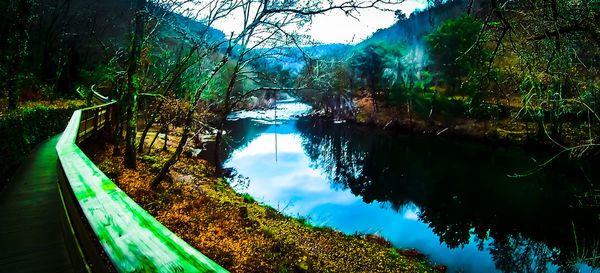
[(463, 188)]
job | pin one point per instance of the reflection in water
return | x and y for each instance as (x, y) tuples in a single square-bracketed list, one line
[(518, 254), (452, 200), (284, 110)]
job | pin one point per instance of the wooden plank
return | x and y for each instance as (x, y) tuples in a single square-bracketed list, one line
[(130, 236), (30, 234)]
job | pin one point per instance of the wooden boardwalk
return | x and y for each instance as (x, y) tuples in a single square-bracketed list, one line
[(31, 237), (32, 213)]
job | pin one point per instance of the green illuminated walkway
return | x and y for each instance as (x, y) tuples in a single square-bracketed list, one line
[(31, 238)]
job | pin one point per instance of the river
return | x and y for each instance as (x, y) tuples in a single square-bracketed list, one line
[(456, 201)]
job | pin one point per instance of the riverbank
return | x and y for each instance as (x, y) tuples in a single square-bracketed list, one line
[(496, 129), (241, 234)]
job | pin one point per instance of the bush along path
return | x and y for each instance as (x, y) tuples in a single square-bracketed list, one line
[(23, 129)]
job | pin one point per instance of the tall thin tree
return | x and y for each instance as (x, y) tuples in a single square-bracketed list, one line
[(131, 94)]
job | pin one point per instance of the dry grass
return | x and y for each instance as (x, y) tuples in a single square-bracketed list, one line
[(237, 232)]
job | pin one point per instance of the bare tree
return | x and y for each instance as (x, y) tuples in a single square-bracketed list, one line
[(131, 94), (148, 19), (264, 25)]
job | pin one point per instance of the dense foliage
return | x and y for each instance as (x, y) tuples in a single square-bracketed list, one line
[(517, 70), (456, 54), (526, 66), (22, 130)]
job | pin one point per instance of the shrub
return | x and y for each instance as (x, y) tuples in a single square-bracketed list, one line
[(22, 130)]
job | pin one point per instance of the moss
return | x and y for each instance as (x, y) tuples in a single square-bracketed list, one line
[(155, 168), (283, 270), (109, 168), (248, 198), (393, 253), (154, 161), (305, 221), (150, 159)]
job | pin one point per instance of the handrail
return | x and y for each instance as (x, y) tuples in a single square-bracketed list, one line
[(100, 98), (129, 236)]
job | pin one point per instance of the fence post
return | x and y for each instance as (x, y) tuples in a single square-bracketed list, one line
[(84, 115), (96, 122)]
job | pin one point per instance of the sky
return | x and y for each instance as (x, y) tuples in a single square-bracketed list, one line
[(335, 27)]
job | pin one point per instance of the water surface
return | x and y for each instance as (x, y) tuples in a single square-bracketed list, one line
[(455, 201)]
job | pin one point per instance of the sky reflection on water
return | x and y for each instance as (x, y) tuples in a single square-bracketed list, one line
[(417, 193), (290, 185)]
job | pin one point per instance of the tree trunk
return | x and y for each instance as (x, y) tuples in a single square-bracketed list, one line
[(152, 142), (164, 148), (118, 133), (132, 89), (188, 122), (181, 67), (149, 124), (217, 162), (17, 43), (13, 93), (226, 109), (175, 156)]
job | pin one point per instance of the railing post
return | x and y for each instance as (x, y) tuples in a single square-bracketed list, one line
[(84, 115), (108, 121), (96, 119)]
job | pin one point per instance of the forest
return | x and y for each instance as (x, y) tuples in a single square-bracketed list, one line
[(515, 82)]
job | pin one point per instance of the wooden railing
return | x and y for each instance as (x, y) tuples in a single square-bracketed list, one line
[(108, 230), (94, 119)]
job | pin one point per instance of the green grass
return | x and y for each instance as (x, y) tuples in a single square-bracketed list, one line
[(248, 198)]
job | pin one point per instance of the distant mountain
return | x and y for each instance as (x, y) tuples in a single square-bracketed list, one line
[(335, 51), (293, 59), (414, 28), (410, 31), (195, 26)]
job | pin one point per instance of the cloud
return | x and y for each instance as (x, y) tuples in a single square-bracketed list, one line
[(335, 26)]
